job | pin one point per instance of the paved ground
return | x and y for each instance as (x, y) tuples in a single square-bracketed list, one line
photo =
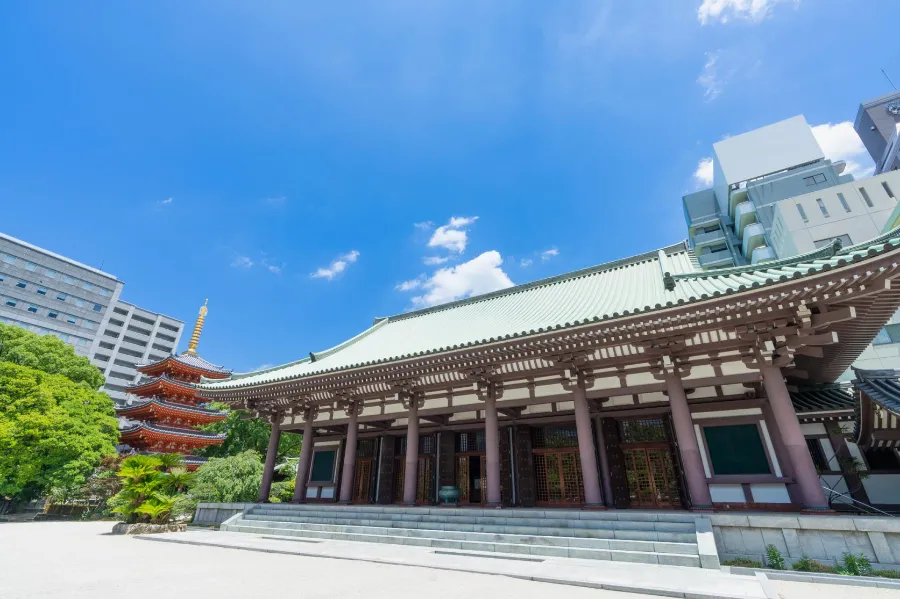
[(77, 560)]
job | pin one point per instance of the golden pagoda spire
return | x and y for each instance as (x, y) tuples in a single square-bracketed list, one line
[(195, 336)]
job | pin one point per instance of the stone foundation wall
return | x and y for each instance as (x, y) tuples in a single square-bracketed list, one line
[(213, 514), (823, 538)]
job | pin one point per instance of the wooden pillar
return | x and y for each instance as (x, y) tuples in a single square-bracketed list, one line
[(353, 409), (410, 477), (306, 452), (784, 460), (587, 455), (794, 441), (687, 444), (492, 448), (269, 469), (602, 454), (844, 457)]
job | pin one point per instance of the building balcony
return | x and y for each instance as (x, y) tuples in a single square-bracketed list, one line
[(744, 215), (763, 253), (711, 238), (718, 259), (754, 237), (735, 199)]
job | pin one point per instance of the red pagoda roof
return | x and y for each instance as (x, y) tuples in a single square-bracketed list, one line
[(186, 362), (161, 383), (156, 407), (147, 430)]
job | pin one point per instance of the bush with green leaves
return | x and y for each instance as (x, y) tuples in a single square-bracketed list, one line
[(774, 559), (232, 479), (804, 564), (855, 564), (282, 491), (153, 488), (742, 562)]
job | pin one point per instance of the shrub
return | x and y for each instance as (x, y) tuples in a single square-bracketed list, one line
[(805, 564), (152, 488), (234, 479), (855, 564), (742, 562), (774, 559), (282, 492), (887, 573)]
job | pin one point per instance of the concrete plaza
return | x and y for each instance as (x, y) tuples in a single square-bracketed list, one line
[(80, 560)]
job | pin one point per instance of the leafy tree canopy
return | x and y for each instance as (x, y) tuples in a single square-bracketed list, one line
[(232, 479), (53, 431), (245, 434), (48, 354)]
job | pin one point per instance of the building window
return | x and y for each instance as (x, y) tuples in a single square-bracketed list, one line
[(86, 286), (97, 307), (845, 241), (79, 302), (9, 259), (33, 309), (887, 189), (866, 198), (11, 303), (889, 334), (882, 459), (1, 278), (106, 345), (822, 207), (71, 319), (322, 470), (89, 324), (68, 280), (843, 202), (41, 291), (814, 179), (802, 213), (736, 449), (52, 314), (50, 273), (61, 297), (818, 455), (30, 266), (21, 284)]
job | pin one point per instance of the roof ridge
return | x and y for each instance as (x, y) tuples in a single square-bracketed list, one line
[(681, 246)]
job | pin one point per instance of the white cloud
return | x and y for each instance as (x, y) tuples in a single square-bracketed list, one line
[(452, 236), (411, 284), (526, 262), (242, 262), (338, 266), (167, 201), (425, 225), (713, 85), (263, 367), (477, 276), (275, 201), (839, 141), (725, 10), (434, 260), (274, 269), (548, 254), (703, 176)]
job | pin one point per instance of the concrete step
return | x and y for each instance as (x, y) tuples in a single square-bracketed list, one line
[(496, 518), (607, 530), (688, 548), (673, 559), (529, 513)]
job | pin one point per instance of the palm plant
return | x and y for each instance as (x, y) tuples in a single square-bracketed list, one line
[(168, 461), (177, 480), (158, 507)]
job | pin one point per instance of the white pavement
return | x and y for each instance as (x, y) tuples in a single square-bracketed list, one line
[(79, 560)]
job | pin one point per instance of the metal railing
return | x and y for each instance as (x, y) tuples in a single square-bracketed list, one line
[(869, 509)]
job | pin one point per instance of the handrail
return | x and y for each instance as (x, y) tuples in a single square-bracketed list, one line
[(855, 501)]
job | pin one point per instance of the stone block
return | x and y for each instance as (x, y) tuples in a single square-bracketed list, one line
[(774, 536), (729, 520), (733, 540), (811, 544), (774, 521), (886, 525), (550, 551), (666, 559), (679, 548), (792, 542), (753, 540), (826, 523), (638, 535), (587, 554), (881, 548), (633, 556), (834, 543), (589, 543), (479, 546)]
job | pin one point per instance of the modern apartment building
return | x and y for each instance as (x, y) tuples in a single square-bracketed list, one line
[(133, 336), (878, 126), (730, 224), (53, 295)]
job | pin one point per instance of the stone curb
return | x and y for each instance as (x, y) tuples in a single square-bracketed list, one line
[(647, 590), (818, 577)]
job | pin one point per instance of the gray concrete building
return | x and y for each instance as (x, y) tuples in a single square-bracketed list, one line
[(50, 294), (878, 126), (133, 336)]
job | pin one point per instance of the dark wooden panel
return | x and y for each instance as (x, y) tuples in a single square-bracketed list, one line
[(616, 462), (676, 460), (447, 472), (386, 471), (505, 468), (524, 466)]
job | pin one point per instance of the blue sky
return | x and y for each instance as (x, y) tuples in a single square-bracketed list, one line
[(310, 166)]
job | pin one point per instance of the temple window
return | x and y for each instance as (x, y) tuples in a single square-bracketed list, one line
[(736, 449)]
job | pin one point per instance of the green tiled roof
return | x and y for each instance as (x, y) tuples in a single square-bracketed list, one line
[(608, 291)]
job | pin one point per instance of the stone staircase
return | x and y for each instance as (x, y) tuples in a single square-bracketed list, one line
[(644, 537)]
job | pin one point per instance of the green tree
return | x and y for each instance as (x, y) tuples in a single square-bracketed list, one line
[(47, 354), (54, 428), (230, 480), (244, 434)]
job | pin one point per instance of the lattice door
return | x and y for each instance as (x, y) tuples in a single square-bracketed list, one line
[(424, 476), (463, 480), (558, 477), (651, 477), (362, 480)]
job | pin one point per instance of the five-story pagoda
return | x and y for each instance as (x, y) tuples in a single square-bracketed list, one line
[(164, 416)]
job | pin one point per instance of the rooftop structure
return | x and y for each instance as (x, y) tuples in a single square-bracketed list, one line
[(637, 383), (164, 417), (878, 125)]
